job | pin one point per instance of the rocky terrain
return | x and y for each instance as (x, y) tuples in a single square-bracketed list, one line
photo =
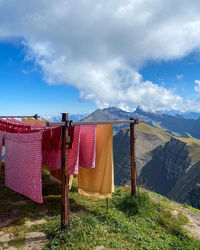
[(165, 164)]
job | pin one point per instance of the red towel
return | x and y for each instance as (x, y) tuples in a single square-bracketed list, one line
[(87, 153), (23, 164)]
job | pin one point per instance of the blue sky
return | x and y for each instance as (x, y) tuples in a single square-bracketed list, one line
[(55, 58), (24, 92)]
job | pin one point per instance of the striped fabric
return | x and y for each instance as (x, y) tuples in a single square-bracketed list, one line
[(73, 153), (23, 164), (1, 144), (87, 153)]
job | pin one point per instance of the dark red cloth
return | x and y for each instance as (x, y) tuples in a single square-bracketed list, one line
[(54, 154), (71, 134), (46, 139), (56, 138)]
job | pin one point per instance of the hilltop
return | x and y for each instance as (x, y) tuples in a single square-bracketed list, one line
[(148, 222)]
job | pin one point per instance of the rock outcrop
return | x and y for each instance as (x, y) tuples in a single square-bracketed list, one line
[(165, 164)]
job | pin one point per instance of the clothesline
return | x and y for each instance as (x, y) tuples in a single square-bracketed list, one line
[(66, 124), (65, 141), (29, 116), (72, 123)]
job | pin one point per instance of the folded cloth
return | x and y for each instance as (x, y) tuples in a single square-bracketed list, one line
[(1, 144), (23, 164), (99, 181), (87, 152), (73, 153)]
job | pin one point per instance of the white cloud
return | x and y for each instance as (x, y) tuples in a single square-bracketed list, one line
[(99, 46), (179, 77), (197, 87)]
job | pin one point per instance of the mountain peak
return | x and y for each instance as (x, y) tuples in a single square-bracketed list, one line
[(139, 109)]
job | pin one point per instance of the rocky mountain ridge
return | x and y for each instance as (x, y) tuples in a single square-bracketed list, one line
[(165, 164)]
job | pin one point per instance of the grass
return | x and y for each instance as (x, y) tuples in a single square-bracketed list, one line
[(139, 223), (154, 130)]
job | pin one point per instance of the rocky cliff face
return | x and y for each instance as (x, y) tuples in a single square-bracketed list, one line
[(169, 162), (164, 164), (148, 138), (188, 185)]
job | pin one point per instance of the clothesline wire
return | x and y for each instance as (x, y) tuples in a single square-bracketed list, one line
[(23, 116), (72, 123)]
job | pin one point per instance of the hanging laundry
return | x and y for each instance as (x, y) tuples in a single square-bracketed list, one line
[(87, 152), (54, 149), (82, 152), (34, 121), (46, 144), (1, 144), (99, 181), (73, 153), (23, 164)]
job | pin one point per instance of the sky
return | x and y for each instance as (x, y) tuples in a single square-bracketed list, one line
[(77, 56)]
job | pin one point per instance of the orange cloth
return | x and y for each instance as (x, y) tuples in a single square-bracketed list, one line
[(99, 181), (34, 121)]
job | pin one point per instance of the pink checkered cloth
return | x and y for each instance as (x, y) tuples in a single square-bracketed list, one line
[(87, 152), (1, 144), (73, 153), (23, 164)]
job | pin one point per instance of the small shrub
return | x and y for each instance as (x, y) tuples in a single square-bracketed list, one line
[(141, 205)]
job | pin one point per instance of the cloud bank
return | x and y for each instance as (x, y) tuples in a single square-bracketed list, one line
[(100, 46)]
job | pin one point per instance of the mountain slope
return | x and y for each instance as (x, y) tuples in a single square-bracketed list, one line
[(165, 164), (148, 138)]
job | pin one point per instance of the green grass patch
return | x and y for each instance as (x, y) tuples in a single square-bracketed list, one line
[(129, 223)]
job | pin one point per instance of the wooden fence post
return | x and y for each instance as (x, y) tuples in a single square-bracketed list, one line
[(133, 163), (65, 198)]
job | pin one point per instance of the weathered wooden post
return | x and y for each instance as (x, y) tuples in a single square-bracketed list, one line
[(65, 198), (132, 153)]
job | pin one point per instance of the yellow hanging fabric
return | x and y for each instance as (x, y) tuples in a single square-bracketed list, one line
[(34, 121), (99, 182)]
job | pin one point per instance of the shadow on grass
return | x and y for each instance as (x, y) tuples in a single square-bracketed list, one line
[(18, 208)]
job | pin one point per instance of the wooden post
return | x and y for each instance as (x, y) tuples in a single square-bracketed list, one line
[(133, 163), (65, 199), (107, 205)]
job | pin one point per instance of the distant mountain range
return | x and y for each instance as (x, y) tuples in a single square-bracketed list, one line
[(187, 115), (175, 125), (167, 152), (74, 117)]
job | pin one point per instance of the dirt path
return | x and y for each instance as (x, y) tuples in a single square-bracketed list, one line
[(193, 227)]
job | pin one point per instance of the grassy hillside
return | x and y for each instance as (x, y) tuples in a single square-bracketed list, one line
[(141, 223)]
